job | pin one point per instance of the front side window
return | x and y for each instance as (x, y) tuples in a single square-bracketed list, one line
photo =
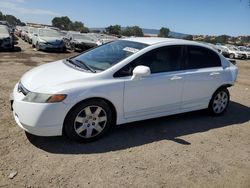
[(105, 56), (164, 59), (199, 57)]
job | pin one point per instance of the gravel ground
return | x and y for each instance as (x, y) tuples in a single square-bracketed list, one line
[(187, 150)]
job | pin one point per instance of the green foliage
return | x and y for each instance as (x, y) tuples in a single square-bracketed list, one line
[(113, 29), (12, 20), (96, 31), (164, 32), (188, 37), (132, 31), (245, 39), (64, 23), (223, 39)]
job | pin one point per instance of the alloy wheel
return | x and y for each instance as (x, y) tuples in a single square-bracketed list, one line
[(90, 121), (220, 102)]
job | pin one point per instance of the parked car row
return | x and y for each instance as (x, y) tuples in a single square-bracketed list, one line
[(53, 39), (234, 52)]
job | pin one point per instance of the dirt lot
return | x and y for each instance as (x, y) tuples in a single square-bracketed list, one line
[(188, 150)]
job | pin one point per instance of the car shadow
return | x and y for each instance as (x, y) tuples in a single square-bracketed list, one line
[(15, 49), (148, 131)]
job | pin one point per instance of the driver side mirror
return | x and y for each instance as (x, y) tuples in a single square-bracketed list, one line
[(140, 71)]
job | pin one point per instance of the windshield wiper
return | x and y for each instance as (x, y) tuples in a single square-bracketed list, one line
[(86, 65), (72, 62)]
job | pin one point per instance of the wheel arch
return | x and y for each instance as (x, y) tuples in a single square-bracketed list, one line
[(111, 105), (227, 85)]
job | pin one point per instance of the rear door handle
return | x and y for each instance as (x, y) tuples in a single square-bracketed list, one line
[(176, 78), (214, 73)]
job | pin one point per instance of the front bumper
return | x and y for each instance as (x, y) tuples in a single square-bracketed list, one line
[(51, 47), (40, 119)]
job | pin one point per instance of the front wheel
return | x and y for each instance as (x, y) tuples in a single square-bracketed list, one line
[(219, 102), (88, 121), (37, 46)]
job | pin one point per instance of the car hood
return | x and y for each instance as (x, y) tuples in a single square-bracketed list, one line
[(4, 35), (52, 40), (51, 75)]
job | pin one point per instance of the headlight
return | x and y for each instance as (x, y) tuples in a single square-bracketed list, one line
[(42, 43), (44, 98)]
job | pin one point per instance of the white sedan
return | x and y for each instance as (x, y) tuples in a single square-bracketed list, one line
[(123, 81)]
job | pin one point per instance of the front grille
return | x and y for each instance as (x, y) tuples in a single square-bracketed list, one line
[(22, 89)]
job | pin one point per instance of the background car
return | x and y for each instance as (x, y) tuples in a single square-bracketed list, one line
[(24, 32), (120, 82), (30, 32), (234, 53), (245, 51), (48, 40), (79, 41), (6, 38)]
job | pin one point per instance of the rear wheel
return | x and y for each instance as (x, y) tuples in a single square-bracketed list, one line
[(88, 121), (244, 57), (219, 102), (231, 56)]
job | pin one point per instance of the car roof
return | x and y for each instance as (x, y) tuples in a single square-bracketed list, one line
[(158, 40)]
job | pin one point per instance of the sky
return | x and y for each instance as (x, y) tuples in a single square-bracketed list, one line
[(206, 17)]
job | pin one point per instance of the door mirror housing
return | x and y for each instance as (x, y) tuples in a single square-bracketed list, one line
[(140, 71)]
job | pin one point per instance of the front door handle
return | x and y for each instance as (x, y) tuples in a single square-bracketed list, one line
[(176, 78), (214, 73)]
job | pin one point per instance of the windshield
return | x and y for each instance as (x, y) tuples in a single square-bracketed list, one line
[(48, 33), (79, 36), (4, 30), (105, 56), (233, 48)]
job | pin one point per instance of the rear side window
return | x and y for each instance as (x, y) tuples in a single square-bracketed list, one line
[(199, 57)]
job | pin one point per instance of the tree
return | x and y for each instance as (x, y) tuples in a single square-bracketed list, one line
[(12, 20), (64, 23), (223, 39), (113, 29), (188, 37), (133, 31), (1, 15), (96, 31), (164, 32)]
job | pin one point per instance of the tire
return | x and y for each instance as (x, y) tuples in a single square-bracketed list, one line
[(231, 56), (219, 102), (244, 57), (64, 49), (88, 121), (37, 46)]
